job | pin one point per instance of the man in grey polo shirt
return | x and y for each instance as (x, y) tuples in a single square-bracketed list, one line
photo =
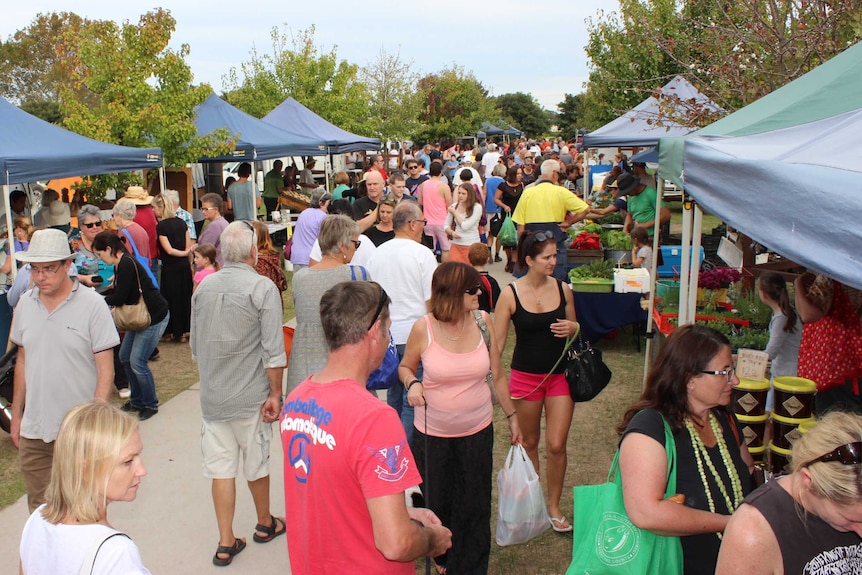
[(65, 337), (237, 341)]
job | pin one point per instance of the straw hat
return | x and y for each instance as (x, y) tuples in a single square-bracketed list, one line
[(138, 196), (47, 245)]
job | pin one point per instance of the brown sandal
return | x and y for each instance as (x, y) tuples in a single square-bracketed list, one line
[(271, 531), (231, 552)]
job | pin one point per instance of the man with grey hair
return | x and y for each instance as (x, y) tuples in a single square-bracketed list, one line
[(346, 459), (404, 267), (548, 206), (236, 339), (211, 206), (489, 160)]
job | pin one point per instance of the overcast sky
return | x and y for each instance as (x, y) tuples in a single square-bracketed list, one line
[(511, 46)]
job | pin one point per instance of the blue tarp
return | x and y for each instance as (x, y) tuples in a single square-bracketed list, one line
[(292, 116), (257, 140), (647, 122), (32, 149)]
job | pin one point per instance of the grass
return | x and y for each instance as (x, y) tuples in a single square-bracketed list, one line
[(709, 221)]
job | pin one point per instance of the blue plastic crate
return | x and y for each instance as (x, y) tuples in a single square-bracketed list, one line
[(673, 259)]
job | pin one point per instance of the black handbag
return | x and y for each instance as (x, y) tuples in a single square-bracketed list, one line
[(586, 373)]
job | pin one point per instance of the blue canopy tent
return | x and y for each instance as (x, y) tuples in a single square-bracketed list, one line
[(32, 149), (257, 140), (784, 170), (491, 130), (292, 116)]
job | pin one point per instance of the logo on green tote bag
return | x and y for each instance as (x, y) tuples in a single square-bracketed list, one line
[(617, 540)]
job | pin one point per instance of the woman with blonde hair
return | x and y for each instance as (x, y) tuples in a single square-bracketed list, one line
[(175, 245), (97, 460), (268, 259), (809, 521)]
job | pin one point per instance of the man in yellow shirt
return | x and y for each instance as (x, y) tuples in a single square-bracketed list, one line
[(548, 206)]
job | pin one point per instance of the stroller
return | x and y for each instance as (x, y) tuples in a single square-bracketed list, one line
[(7, 377)]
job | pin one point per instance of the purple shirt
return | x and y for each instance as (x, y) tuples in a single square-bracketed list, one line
[(212, 235), (307, 228)]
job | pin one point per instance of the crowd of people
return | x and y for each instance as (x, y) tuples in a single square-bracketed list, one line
[(399, 261)]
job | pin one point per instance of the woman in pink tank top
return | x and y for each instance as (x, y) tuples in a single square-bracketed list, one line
[(453, 439)]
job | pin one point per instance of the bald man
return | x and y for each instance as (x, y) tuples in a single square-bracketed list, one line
[(367, 206)]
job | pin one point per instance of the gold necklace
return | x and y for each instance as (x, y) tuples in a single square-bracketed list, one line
[(535, 295), (460, 333)]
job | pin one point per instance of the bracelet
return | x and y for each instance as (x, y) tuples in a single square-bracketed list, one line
[(509, 415), (412, 383)]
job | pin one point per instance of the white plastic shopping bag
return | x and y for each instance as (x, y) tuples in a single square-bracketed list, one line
[(521, 511)]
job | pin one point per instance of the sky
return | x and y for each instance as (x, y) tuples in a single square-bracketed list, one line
[(509, 45)]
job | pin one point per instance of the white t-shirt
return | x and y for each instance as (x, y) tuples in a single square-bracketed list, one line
[(360, 258), (489, 161), (404, 268), (62, 549)]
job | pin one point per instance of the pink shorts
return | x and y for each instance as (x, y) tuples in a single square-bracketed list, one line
[(523, 385), (438, 233)]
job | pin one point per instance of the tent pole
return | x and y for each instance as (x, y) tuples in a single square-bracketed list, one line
[(697, 231), (13, 270), (586, 178), (653, 275), (163, 177), (685, 262)]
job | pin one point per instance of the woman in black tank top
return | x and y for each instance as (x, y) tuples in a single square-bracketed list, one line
[(542, 310)]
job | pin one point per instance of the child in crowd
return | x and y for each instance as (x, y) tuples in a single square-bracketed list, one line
[(479, 255), (785, 329), (641, 248), (205, 262)]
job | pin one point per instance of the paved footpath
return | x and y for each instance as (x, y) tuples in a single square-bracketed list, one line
[(172, 520)]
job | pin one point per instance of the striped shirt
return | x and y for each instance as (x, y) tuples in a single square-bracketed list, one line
[(236, 335)]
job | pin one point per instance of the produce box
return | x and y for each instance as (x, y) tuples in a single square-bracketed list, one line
[(631, 281), (583, 256), (593, 285)]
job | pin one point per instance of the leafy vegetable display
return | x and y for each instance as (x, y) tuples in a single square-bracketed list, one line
[(593, 229), (616, 240), (601, 269)]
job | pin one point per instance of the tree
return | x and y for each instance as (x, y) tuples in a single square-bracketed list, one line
[(734, 52), (454, 103), (393, 98), (30, 71), (570, 118), (142, 90), (524, 113), (317, 80)]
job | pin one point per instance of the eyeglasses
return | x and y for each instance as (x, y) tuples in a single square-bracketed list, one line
[(473, 290), (46, 271), (418, 220), (356, 243), (92, 225), (383, 299), (849, 454), (253, 233), (207, 209), (729, 373)]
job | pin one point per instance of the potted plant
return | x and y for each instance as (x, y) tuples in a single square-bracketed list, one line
[(716, 280)]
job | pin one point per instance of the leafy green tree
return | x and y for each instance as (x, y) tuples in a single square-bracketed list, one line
[(570, 118), (48, 110), (143, 90), (393, 99), (296, 67), (524, 113), (454, 103)]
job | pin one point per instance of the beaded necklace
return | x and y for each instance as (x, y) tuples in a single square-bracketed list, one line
[(701, 455)]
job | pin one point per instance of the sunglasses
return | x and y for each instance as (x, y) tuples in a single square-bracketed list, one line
[(91, 225), (729, 373), (383, 299), (356, 243), (849, 454), (543, 236), (473, 290)]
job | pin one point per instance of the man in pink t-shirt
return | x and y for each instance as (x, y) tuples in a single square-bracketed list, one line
[(346, 458)]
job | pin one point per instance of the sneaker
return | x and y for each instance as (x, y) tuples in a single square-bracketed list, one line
[(128, 407), (497, 258), (145, 413), (124, 393)]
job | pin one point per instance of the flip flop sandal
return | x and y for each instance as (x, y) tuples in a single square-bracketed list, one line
[(271, 531), (231, 552)]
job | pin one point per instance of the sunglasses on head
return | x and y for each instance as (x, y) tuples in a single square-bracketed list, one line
[(543, 236), (380, 304), (849, 454)]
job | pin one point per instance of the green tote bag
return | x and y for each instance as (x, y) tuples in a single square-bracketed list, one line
[(607, 543)]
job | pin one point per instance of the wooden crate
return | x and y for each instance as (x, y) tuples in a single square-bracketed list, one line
[(584, 256)]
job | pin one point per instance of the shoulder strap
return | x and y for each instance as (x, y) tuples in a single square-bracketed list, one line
[(670, 449), (90, 559), (131, 241), (483, 328)]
